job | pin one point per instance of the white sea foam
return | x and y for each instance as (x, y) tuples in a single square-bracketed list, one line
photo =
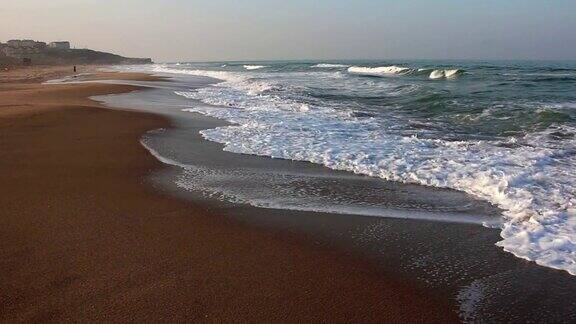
[(534, 184), (470, 299), (329, 66), (221, 75), (445, 74), (379, 71), (254, 67)]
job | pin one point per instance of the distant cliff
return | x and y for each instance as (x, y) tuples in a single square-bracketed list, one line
[(29, 52), (84, 56)]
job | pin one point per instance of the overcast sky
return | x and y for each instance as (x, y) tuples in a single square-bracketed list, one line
[(200, 30)]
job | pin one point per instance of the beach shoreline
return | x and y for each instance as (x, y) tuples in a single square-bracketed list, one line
[(85, 238), (455, 260)]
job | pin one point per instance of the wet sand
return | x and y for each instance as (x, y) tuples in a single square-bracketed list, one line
[(83, 237)]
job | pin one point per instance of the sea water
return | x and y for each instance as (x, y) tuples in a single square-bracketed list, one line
[(501, 131)]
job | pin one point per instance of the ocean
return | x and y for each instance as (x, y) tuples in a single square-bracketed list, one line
[(500, 131)]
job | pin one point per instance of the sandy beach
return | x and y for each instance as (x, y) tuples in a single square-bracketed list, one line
[(83, 237), (290, 162)]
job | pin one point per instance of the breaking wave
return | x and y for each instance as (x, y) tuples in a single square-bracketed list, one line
[(329, 66), (391, 70), (379, 71), (445, 74), (254, 67)]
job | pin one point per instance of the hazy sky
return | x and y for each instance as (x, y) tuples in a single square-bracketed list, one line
[(176, 30)]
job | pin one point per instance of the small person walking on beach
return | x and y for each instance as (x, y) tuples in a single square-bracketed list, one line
[(74, 68)]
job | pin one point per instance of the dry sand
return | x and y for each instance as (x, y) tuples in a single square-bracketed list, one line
[(84, 238)]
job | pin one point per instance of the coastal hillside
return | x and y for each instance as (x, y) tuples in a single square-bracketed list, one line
[(30, 52), (87, 56), (7, 61)]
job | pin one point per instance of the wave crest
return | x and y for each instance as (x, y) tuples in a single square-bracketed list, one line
[(254, 67), (329, 66), (445, 74), (434, 74), (378, 71)]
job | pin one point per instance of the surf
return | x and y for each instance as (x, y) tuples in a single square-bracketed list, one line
[(530, 177)]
